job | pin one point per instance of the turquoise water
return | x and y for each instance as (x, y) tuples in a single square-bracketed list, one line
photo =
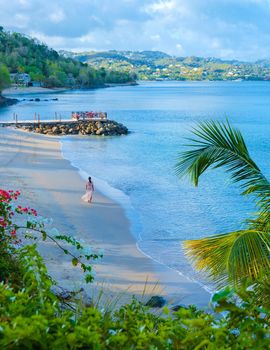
[(138, 170)]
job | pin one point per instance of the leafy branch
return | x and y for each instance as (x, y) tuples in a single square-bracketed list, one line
[(236, 256)]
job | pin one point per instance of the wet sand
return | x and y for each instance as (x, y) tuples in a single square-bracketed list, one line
[(34, 164)]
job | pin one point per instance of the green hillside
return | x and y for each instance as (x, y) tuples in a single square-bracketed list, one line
[(156, 65), (21, 54)]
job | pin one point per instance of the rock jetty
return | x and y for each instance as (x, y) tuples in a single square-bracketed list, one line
[(83, 127)]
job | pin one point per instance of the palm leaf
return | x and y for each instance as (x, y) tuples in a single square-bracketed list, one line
[(218, 145), (231, 258), (236, 256)]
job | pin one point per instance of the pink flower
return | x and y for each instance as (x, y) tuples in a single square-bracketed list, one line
[(13, 232), (4, 194)]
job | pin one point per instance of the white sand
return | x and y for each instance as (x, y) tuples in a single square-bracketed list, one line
[(34, 165), (29, 90)]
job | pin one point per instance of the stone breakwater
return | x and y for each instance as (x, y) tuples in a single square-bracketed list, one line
[(83, 127)]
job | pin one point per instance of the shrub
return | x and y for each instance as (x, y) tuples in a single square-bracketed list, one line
[(17, 221), (32, 317)]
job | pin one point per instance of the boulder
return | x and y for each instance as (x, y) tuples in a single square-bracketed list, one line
[(156, 301), (99, 131)]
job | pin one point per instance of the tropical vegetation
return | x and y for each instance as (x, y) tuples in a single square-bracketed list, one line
[(4, 77), (241, 257), (32, 316), (21, 54), (157, 65)]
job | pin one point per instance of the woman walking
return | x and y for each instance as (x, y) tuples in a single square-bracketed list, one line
[(87, 197)]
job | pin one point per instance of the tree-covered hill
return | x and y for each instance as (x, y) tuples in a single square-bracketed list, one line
[(156, 65), (21, 54)]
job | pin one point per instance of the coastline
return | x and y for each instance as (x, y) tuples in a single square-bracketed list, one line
[(11, 91), (6, 101), (132, 83), (30, 90), (35, 165)]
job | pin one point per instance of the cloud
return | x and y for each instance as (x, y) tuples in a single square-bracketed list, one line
[(223, 28), (57, 16), (161, 6)]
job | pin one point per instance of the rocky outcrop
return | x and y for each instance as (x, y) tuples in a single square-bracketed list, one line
[(84, 127), (4, 101)]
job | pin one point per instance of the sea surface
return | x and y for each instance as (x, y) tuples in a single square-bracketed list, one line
[(138, 170)]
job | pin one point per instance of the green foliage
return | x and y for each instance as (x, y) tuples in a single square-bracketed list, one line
[(4, 77), (33, 318), (243, 255), (10, 270), (12, 226), (219, 145), (156, 65), (19, 53), (232, 257)]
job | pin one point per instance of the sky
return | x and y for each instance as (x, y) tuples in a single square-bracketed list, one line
[(228, 29)]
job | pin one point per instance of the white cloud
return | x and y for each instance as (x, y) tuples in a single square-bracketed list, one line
[(24, 2), (52, 41), (57, 16), (155, 37), (87, 39), (223, 28), (161, 6)]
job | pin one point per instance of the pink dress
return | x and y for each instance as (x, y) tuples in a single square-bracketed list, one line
[(87, 197)]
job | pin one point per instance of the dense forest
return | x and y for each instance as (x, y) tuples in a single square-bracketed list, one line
[(157, 65), (21, 54)]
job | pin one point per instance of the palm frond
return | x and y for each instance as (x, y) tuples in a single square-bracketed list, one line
[(218, 145), (231, 258)]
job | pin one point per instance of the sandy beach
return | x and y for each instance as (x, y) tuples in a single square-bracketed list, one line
[(29, 90), (34, 164)]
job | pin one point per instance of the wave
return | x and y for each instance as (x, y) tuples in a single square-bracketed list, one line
[(112, 193)]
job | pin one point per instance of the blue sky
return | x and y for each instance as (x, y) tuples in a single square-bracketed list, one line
[(211, 28)]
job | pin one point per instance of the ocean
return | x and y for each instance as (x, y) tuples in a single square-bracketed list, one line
[(138, 170)]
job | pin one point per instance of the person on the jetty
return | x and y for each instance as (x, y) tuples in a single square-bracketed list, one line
[(87, 197)]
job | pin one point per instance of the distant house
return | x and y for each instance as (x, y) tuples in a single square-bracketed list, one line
[(12, 77), (24, 79), (20, 78), (35, 83)]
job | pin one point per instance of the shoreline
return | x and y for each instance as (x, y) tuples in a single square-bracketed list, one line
[(32, 162), (128, 209), (11, 91), (31, 90), (7, 101)]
